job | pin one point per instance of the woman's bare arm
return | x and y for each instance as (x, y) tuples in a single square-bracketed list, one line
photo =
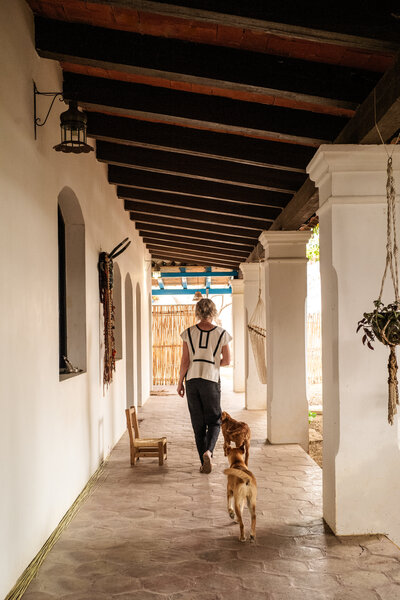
[(226, 356), (185, 362)]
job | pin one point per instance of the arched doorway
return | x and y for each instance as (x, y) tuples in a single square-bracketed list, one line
[(139, 344), (129, 375)]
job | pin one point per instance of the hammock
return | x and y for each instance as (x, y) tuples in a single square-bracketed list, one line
[(258, 335)]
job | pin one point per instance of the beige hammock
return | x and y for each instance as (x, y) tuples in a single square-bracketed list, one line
[(258, 335)]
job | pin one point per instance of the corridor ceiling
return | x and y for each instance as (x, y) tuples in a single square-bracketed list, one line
[(207, 112)]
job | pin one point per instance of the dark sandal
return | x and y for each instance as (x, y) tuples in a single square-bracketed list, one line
[(207, 464)]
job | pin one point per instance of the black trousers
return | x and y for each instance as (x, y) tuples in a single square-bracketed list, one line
[(204, 402)]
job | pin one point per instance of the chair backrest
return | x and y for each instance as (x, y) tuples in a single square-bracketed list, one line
[(132, 422)]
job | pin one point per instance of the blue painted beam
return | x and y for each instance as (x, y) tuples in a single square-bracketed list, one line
[(160, 284), (184, 280), (180, 291), (202, 274)]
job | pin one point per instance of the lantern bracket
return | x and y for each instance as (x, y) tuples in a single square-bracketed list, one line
[(38, 122)]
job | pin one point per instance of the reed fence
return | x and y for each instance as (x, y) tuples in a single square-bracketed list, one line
[(314, 362), (168, 323)]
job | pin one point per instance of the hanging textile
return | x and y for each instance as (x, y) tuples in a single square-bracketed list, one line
[(258, 334)]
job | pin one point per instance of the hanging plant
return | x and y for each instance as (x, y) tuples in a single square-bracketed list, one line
[(383, 323)]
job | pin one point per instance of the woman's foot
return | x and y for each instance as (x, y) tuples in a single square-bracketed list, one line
[(207, 464)]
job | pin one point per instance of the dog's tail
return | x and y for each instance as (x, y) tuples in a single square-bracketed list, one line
[(240, 474)]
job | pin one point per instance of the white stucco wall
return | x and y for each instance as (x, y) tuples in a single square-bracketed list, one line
[(53, 434)]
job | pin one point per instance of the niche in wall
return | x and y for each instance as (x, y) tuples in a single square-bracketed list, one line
[(72, 277)]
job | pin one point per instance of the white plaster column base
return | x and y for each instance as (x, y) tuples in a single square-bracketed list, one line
[(286, 293), (239, 355), (256, 392), (361, 450)]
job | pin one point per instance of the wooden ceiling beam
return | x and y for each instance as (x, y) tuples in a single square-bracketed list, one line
[(197, 167), (156, 229), (172, 184), (245, 223), (218, 254), (382, 104), (384, 101), (182, 199), (195, 142), (326, 88), (183, 203), (196, 245), (209, 229), (358, 30), (194, 259), (201, 111)]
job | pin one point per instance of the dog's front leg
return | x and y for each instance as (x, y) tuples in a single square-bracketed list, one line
[(238, 511)]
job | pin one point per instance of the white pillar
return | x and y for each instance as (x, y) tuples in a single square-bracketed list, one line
[(256, 392), (286, 293), (361, 450), (239, 356)]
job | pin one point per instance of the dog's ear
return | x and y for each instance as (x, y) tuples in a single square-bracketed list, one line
[(228, 450)]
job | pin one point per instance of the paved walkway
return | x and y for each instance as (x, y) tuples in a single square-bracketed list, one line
[(163, 533)]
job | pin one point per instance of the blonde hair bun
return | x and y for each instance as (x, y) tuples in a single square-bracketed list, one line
[(205, 308)]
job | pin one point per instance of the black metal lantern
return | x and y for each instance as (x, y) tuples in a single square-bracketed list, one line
[(73, 131)]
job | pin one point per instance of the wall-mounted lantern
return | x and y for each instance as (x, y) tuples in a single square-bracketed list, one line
[(72, 123)]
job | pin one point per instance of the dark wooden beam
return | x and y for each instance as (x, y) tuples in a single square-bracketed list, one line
[(184, 203), (195, 142), (246, 223), (299, 210), (136, 178), (198, 167), (211, 248), (385, 103), (328, 88), (156, 229), (373, 28), (210, 229), (218, 255), (201, 110), (382, 105), (194, 259)]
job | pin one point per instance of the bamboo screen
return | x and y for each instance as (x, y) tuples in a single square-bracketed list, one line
[(314, 363), (168, 323)]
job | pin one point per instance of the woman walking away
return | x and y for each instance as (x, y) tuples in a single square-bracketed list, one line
[(205, 350)]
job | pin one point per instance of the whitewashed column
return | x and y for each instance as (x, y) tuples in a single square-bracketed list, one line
[(238, 333), (286, 293), (256, 392), (361, 450)]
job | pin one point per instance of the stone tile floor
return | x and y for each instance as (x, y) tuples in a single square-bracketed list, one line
[(163, 533)]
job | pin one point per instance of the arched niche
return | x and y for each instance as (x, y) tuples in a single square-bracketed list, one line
[(72, 280), (130, 379), (139, 344)]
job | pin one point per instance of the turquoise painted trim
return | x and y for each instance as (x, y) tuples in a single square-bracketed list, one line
[(201, 274), (180, 291)]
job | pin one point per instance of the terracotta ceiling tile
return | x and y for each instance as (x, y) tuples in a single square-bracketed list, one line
[(101, 15), (203, 32), (126, 18), (51, 10), (229, 36), (254, 40), (77, 12), (152, 24)]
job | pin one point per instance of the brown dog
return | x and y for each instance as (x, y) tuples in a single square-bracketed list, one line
[(237, 432), (241, 487)]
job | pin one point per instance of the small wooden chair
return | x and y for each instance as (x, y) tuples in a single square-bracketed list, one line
[(155, 447)]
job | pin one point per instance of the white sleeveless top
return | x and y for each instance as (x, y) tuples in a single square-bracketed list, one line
[(205, 351)]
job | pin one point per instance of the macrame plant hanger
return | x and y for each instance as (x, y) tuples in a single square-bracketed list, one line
[(391, 265), (258, 333)]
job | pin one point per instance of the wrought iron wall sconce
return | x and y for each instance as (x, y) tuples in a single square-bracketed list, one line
[(72, 124)]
